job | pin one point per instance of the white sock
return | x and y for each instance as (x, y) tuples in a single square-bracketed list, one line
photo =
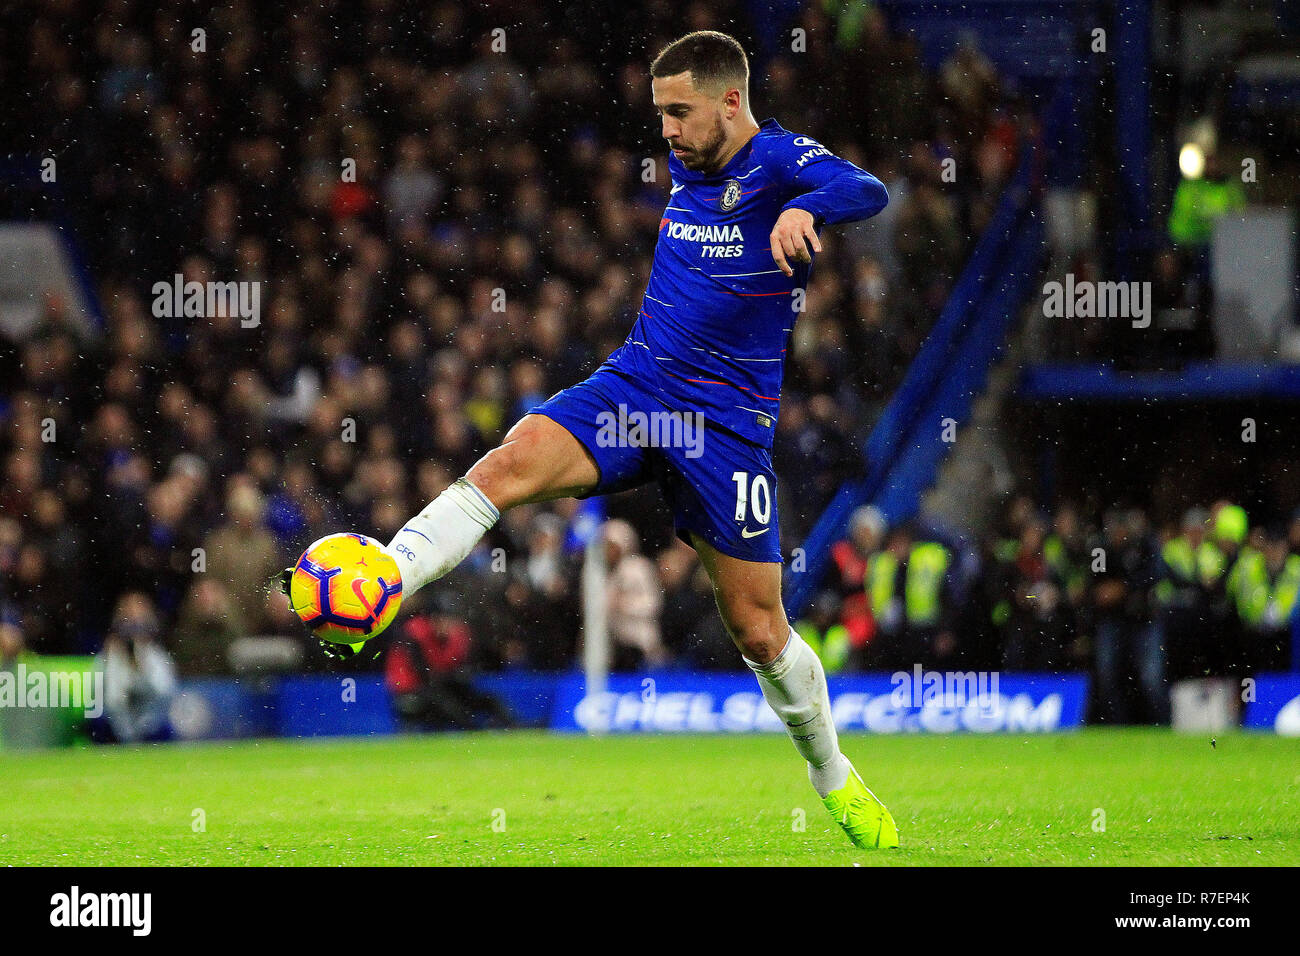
[(439, 537), (794, 685)]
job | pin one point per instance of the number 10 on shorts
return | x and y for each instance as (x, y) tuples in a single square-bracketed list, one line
[(752, 496)]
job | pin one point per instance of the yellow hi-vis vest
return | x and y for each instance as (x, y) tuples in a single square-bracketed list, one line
[(1286, 589), (1248, 586), (832, 647), (1204, 565), (1261, 601), (927, 565)]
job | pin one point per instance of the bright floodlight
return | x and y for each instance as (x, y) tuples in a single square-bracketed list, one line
[(1191, 160)]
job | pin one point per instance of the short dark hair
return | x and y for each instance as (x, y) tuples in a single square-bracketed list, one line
[(712, 58)]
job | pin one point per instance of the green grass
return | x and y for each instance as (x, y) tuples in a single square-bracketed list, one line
[(699, 800)]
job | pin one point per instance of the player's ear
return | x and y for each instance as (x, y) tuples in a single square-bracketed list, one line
[(729, 103)]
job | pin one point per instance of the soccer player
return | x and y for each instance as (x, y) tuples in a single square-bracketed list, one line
[(730, 269)]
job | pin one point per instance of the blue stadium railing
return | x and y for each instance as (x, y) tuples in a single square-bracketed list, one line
[(906, 446)]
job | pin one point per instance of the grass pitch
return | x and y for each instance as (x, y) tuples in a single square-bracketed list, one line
[(1096, 797)]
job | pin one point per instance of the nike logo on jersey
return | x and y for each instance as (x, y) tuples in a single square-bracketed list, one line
[(674, 190), (746, 533)]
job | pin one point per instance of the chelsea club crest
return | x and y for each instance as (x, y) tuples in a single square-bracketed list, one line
[(730, 195)]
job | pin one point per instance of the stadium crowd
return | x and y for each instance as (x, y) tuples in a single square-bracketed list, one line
[(489, 250), (1138, 606), (446, 225), (444, 232)]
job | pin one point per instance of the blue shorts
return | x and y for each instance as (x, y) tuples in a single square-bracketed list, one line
[(718, 485)]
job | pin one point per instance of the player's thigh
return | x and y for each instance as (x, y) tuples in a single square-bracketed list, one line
[(571, 445), (723, 494), (538, 460), (723, 489), (749, 599)]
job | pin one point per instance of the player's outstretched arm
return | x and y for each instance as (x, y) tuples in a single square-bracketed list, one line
[(824, 189), (835, 191)]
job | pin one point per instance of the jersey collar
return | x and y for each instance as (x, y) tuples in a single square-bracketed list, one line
[(681, 174)]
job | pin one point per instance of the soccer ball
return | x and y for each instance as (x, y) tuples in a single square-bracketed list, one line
[(346, 588)]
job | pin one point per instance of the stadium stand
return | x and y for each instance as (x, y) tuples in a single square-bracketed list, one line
[(445, 235), (475, 171)]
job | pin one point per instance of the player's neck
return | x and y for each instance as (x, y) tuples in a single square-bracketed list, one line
[(743, 135)]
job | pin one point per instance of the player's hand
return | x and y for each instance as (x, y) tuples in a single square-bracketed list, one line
[(791, 237)]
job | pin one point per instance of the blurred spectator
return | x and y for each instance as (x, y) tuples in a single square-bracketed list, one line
[(210, 621), (139, 676), (1128, 655), (1038, 629), (1231, 533), (909, 587), (1200, 202), (1189, 597), (692, 628), (929, 242), (822, 630), (427, 671), (542, 597), (412, 190), (11, 640), (1264, 584), (242, 555), (1181, 303), (634, 599), (866, 535)]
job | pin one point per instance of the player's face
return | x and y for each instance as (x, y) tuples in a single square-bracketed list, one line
[(692, 120)]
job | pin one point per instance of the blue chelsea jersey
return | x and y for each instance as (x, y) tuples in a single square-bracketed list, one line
[(717, 313)]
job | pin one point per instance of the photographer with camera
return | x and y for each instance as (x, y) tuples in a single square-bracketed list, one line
[(139, 676)]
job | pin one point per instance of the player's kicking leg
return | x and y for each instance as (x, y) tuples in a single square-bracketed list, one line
[(538, 460), (794, 685)]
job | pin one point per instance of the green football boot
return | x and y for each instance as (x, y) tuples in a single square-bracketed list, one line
[(864, 818)]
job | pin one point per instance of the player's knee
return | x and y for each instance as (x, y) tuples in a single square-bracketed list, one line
[(503, 474), (758, 630)]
